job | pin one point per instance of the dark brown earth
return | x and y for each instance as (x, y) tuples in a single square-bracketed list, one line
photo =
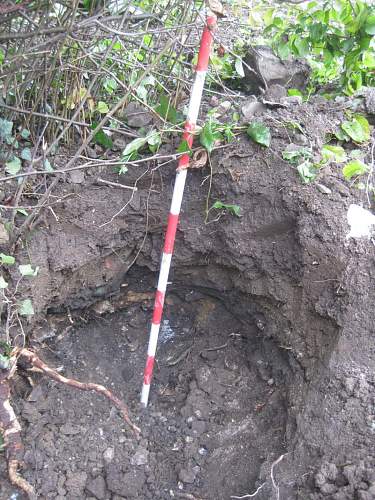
[(265, 373)]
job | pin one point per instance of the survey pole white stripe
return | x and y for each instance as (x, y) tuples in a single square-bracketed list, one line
[(196, 96), (164, 271), (178, 191), (153, 340), (144, 394)]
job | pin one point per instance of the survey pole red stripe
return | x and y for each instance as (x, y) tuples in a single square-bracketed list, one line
[(158, 307), (170, 235), (148, 370), (205, 48), (178, 191)]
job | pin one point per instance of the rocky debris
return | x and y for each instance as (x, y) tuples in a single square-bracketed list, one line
[(36, 394), (370, 100), (119, 143), (77, 177), (48, 483), (109, 455), (291, 100), (252, 107), (275, 92), (323, 189), (69, 429), (187, 475), (198, 427), (97, 487), (91, 153), (75, 484), (136, 115), (127, 485), (140, 457), (347, 482), (266, 70)]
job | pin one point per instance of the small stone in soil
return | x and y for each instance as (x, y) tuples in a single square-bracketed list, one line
[(198, 427), (108, 455), (140, 457), (77, 177), (187, 476), (96, 487)]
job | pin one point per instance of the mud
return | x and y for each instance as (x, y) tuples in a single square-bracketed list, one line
[(266, 372)]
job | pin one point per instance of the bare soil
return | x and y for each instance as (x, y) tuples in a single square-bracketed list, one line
[(265, 370)]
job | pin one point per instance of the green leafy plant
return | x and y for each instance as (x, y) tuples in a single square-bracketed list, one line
[(307, 171), (210, 134), (259, 133), (26, 308), (296, 154), (335, 36), (166, 110), (332, 153), (357, 129), (8, 260), (355, 168), (153, 140), (28, 270), (232, 209)]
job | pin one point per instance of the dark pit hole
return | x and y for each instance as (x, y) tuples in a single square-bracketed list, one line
[(218, 404)]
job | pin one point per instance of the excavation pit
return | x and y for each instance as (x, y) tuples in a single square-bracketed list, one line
[(264, 372)]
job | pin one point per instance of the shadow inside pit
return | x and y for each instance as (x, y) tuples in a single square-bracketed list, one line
[(217, 412)]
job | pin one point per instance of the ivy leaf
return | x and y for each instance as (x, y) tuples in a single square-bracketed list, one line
[(8, 260), (370, 25), (167, 111), (28, 270), (295, 92), (110, 85), (25, 134), (26, 308), (153, 141), (333, 153), (294, 154), (233, 209), (354, 168), (13, 166), (133, 147), (358, 129), (239, 67), (209, 135), (307, 171), (101, 137), (5, 128), (47, 165), (102, 107), (259, 133), (302, 46), (3, 283), (26, 154)]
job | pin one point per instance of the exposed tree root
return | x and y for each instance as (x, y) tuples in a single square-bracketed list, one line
[(90, 386), (10, 427), (11, 431)]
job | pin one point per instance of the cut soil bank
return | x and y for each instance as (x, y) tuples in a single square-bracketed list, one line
[(266, 364)]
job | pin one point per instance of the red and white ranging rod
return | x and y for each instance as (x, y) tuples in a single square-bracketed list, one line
[(178, 193)]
